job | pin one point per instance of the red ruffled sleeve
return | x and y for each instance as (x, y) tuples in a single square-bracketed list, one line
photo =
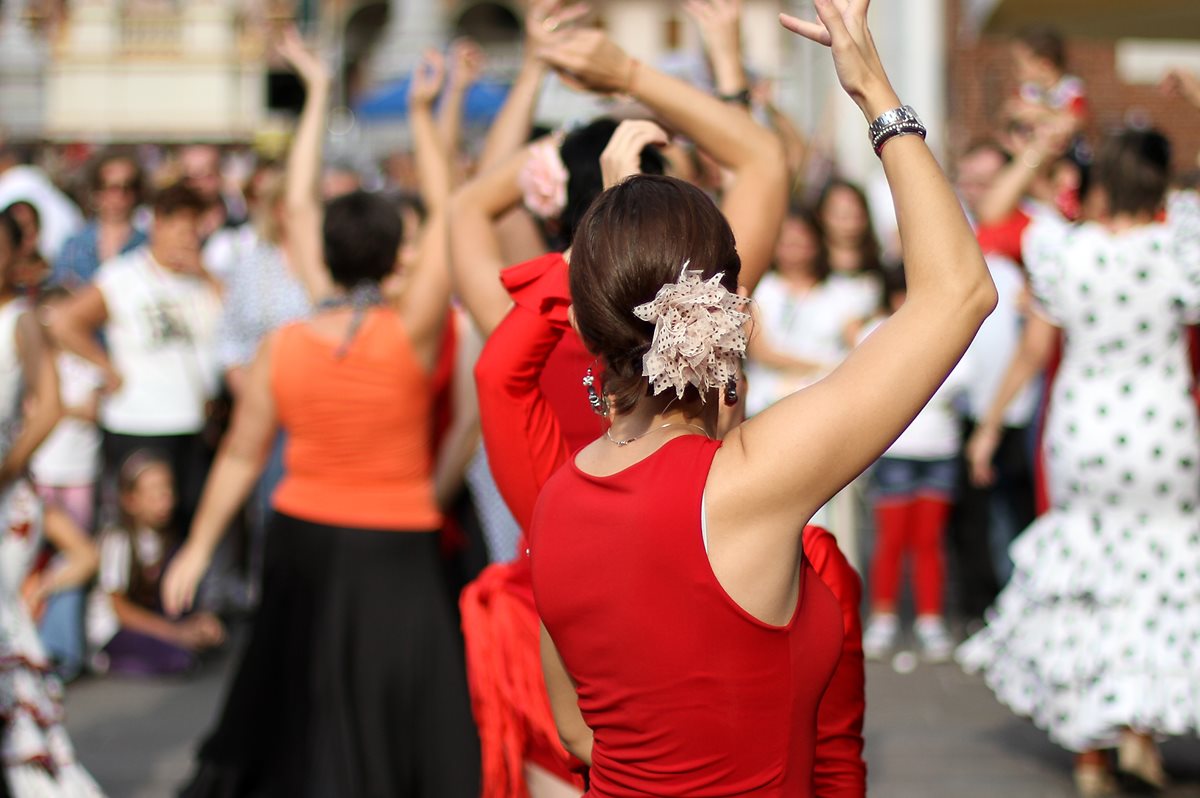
[(541, 286), (839, 770), (526, 442), (521, 428), (521, 432)]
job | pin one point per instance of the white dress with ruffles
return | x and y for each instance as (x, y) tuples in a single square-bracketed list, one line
[(39, 761), (1099, 628)]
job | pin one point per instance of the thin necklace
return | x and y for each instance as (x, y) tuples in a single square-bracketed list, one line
[(627, 441)]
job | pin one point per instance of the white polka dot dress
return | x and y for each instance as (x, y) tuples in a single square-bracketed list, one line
[(1099, 628)]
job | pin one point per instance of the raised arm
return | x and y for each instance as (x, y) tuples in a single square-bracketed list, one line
[(476, 256), (426, 298), (511, 129), (720, 27), (795, 145), (756, 198), (465, 66), (829, 433), (305, 215), (521, 433), (1033, 159), (430, 154)]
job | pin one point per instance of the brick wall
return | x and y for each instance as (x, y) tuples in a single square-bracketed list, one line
[(979, 80)]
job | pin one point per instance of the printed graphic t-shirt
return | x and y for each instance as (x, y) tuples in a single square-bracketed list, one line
[(161, 335)]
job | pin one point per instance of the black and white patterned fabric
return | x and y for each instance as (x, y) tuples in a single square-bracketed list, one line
[(1099, 628)]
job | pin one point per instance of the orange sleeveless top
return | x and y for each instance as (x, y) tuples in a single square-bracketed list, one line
[(357, 428)]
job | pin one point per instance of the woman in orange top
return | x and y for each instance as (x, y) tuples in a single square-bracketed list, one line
[(353, 682)]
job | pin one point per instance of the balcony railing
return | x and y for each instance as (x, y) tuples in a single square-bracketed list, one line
[(151, 35)]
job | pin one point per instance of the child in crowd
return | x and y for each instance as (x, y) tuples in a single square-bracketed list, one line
[(126, 623), (1040, 61), (913, 486)]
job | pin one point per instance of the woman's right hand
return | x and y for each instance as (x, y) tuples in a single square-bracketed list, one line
[(842, 26), (591, 59), (981, 448), (182, 578), (427, 80), (623, 155)]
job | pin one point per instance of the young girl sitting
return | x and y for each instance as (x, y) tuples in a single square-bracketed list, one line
[(126, 623), (913, 485)]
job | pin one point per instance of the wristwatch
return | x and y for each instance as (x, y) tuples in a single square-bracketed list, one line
[(896, 122)]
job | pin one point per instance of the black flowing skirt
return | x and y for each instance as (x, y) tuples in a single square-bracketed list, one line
[(353, 682)]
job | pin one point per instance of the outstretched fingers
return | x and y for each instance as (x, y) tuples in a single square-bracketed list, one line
[(833, 15), (813, 31)]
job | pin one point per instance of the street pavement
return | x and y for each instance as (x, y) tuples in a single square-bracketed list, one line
[(931, 733)]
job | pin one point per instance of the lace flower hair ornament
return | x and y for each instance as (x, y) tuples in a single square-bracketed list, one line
[(698, 334), (543, 179)]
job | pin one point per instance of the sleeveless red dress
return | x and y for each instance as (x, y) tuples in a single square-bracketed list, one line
[(534, 412), (686, 693)]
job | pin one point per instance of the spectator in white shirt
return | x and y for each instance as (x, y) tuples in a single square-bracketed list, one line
[(158, 308)]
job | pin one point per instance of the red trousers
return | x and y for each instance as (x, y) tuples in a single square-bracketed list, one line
[(909, 526)]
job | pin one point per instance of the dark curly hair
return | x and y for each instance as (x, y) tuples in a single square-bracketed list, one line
[(580, 152)]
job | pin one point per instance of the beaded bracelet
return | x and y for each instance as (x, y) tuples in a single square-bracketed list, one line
[(901, 121)]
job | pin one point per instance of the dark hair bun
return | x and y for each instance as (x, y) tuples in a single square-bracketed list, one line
[(633, 240), (1155, 148), (580, 153)]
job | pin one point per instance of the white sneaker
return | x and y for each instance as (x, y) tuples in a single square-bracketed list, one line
[(933, 638), (879, 638)]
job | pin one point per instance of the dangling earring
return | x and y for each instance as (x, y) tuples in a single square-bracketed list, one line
[(594, 398), (731, 393)]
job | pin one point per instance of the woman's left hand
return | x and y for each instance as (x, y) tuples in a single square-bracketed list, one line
[(305, 62), (466, 64)]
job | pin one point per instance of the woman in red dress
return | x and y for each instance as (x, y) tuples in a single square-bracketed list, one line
[(521, 427), (522, 754), (688, 640)]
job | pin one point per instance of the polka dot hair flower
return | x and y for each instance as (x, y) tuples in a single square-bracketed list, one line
[(698, 336), (543, 179)]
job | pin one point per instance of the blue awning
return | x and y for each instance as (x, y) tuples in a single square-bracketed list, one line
[(390, 102)]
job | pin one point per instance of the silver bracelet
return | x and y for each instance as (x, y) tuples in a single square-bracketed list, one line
[(901, 121)]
